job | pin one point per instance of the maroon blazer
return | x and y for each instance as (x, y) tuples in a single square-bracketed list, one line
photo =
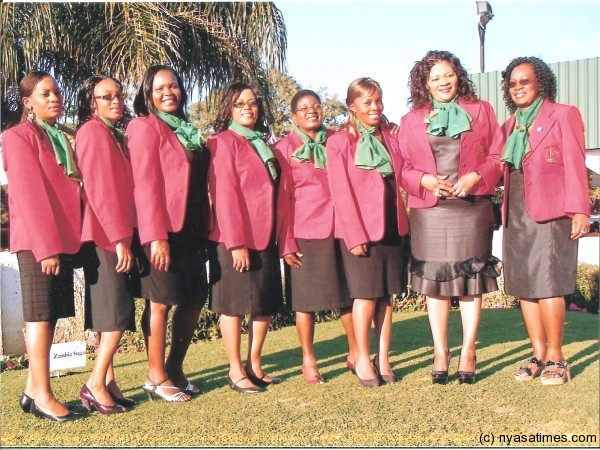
[(161, 172), (304, 205), (109, 206), (242, 193), (44, 204), (480, 150), (554, 171), (359, 194)]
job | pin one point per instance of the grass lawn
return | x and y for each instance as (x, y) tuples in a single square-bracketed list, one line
[(412, 412)]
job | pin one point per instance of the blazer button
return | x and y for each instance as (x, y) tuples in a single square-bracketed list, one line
[(526, 163)]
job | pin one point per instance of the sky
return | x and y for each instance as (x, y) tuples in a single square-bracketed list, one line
[(331, 43)]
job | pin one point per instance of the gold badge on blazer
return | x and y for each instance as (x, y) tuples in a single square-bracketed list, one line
[(552, 152)]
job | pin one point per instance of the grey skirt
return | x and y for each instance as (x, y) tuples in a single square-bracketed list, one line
[(257, 291), (451, 247), (320, 283), (540, 259)]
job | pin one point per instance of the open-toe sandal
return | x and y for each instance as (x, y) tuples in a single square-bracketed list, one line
[(532, 369), (176, 395), (556, 373)]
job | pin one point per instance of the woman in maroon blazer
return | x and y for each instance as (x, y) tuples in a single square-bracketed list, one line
[(170, 165), (305, 229), (451, 144), (545, 209), (45, 219), (108, 222), (364, 163), (245, 272)]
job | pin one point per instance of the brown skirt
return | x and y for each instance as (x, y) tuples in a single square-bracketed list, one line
[(45, 298), (257, 291), (320, 283), (540, 259), (451, 247)]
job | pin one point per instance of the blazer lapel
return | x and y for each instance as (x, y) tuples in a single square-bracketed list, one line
[(473, 109), (541, 126)]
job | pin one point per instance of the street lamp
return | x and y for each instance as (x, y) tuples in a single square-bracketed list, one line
[(484, 11)]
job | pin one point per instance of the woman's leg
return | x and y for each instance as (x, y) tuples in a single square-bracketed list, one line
[(363, 312), (231, 332), (348, 324), (109, 341), (438, 312), (257, 333), (552, 313), (38, 340), (383, 333), (535, 327), (305, 326), (470, 312)]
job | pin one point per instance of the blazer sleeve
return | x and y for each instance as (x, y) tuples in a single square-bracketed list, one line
[(576, 177), (224, 179), (411, 177), (285, 226), (144, 147), (28, 190), (491, 169), (102, 186), (351, 227)]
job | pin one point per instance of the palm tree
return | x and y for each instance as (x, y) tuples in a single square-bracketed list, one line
[(209, 44)]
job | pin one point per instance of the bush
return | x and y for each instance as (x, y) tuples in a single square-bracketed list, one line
[(586, 288)]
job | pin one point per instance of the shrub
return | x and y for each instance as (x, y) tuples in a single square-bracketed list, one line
[(586, 288)]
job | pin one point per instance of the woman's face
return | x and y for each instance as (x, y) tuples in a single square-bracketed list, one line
[(245, 109), (108, 101), (166, 92), (45, 100), (368, 108), (442, 82), (309, 114), (523, 86)]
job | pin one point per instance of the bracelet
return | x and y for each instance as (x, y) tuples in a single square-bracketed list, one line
[(478, 174)]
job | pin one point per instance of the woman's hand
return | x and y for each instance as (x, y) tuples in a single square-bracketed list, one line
[(580, 226), (436, 184), (359, 250), (51, 266), (124, 257), (241, 259), (293, 260), (465, 184), (160, 255)]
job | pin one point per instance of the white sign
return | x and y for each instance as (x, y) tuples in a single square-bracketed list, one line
[(67, 355)]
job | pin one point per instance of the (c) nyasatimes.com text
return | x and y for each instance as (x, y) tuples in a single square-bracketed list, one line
[(536, 438)]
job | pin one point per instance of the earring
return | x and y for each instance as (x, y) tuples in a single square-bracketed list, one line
[(31, 115)]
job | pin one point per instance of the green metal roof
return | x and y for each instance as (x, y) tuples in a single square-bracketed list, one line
[(578, 84)]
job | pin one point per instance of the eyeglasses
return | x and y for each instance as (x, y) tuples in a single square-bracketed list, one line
[(242, 105), (110, 97), (306, 108), (523, 82)]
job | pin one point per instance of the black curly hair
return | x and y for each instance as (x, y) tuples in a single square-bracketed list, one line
[(543, 75), (419, 76)]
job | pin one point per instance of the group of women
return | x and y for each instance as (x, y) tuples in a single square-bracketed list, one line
[(155, 202)]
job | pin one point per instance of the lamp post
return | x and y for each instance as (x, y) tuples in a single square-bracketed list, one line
[(484, 11)]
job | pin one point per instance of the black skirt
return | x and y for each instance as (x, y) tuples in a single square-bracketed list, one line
[(540, 259), (320, 283), (257, 291), (109, 302), (45, 298)]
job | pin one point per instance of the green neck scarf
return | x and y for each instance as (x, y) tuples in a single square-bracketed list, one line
[(447, 117), (517, 144), (62, 149), (119, 134), (315, 148), (188, 134), (257, 139), (372, 154)]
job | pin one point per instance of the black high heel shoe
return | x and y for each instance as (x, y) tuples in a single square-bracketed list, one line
[(72, 415), (464, 376), (261, 382), (441, 376), (25, 401)]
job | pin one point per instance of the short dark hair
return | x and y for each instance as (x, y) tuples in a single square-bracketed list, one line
[(85, 100), (143, 104), (543, 74), (228, 97), (299, 96), (419, 76), (27, 86)]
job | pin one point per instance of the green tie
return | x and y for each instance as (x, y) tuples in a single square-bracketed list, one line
[(257, 139), (315, 148), (62, 149), (372, 154), (517, 143), (448, 117), (187, 133)]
